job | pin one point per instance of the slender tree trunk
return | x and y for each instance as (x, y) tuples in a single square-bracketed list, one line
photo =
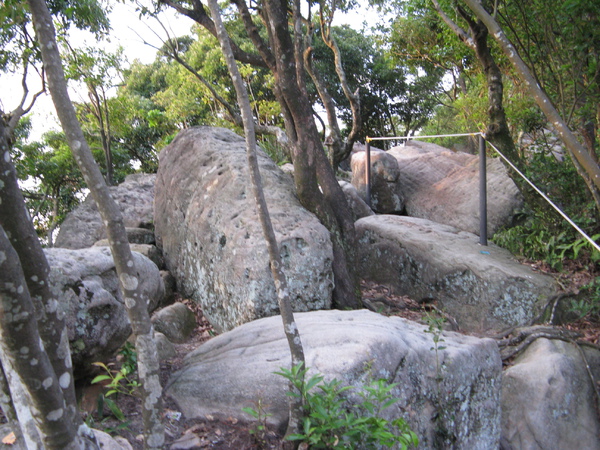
[(101, 114), (296, 411), (20, 341), (352, 97), (16, 222), (135, 300), (25, 431), (497, 131)]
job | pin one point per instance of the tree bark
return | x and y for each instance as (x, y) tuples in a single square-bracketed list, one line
[(25, 431), (20, 341), (135, 300), (312, 171), (100, 112), (296, 411), (497, 130), (353, 97), (15, 220)]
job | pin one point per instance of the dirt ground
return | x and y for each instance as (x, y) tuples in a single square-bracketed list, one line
[(229, 433)]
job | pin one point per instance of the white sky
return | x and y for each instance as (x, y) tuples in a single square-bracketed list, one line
[(126, 26)]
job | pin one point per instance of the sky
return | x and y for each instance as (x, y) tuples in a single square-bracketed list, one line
[(129, 31)]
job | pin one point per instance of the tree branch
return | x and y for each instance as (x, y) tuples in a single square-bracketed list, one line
[(198, 14), (353, 97), (462, 34)]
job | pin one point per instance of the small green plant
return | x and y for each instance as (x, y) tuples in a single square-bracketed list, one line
[(259, 429), (435, 324), (436, 327), (128, 357), (117, 381), (589, 304), (275, 151), (329, 423)]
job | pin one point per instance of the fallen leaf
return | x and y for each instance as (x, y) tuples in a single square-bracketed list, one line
[(9, 439)]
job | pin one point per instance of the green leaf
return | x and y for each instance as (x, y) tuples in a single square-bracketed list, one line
[(114, 408), (251, 411), (100, 378)]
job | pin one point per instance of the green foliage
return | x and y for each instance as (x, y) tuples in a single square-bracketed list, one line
[(17, 48), (394, 99), (275, 151), (436, 324), (329, 423), (542, 234), (259, 429), (100, 421), (588, 302), (128, 357), (51, 181), (117, 381), (534, 241)]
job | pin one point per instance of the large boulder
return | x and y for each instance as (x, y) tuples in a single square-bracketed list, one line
[(441, 185), (211, 237), (450, 398), (549, 400), (483, 288), (385, 193), (357, 205), (83, 226), (86, 282)]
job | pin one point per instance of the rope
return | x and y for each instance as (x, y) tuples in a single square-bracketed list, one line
[(573, 224), (384, 138)]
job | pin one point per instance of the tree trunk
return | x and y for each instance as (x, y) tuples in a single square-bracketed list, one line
[(20, 341), (497, 131), (296, 411), (100, 112), (576, 149), (17, 415), (135, 300), (311, 166), (16, 222)]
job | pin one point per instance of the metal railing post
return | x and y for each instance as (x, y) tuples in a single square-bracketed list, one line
[(483, 240), (368, 173)]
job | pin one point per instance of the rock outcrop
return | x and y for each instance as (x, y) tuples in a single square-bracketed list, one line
[(443, 186), (83, 226), (548, 399), (212, 241), (357, 205), (86, 282), (456, 390), (483, 288), (386, 188)]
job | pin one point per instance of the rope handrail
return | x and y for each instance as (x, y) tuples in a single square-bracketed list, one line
[(390, 138), (544, 196)]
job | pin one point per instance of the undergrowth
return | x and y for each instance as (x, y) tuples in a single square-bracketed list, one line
[(330, 423)]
